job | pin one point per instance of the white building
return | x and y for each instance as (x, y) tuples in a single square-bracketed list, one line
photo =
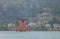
[(56, 26), (47, 25), (11, 26)]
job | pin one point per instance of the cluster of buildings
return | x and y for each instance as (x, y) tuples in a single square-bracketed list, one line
[(43, 19), (55, 26)]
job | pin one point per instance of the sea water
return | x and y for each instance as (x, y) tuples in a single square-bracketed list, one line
[(30, 35)]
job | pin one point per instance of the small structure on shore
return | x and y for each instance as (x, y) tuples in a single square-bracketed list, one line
[(11, 26), (56, 26)]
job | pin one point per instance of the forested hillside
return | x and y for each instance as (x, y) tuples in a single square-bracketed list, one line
[(10, 9)]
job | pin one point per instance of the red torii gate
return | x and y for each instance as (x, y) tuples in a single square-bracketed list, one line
[(22, 25)]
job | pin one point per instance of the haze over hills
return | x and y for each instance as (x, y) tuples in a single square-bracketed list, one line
[(10, 9)]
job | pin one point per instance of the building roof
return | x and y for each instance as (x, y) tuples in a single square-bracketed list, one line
[(22, 19)]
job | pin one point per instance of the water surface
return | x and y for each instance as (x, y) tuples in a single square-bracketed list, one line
[(30, 35)]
